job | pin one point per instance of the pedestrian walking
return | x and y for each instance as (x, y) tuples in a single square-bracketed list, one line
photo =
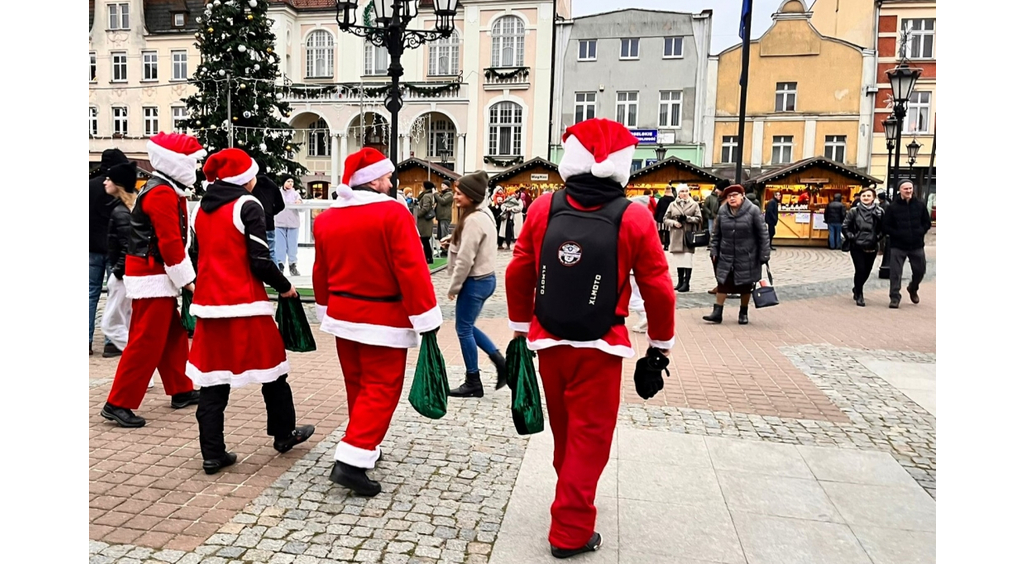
[(425, 219), (709, 210), (269, 195), (155, 271), (835, 212), (739, 247), (473, 259), (508, 227), (117, 313), (443, 209), (771, 217), (575, 320), (236, 340), (906, 222), (862, 229), (659, 214), (376, 298), (683, 216), (286, 227), (101, 205)]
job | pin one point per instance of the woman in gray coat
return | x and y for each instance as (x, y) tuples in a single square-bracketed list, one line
[(683, 216), (739, 246), (425, 219)]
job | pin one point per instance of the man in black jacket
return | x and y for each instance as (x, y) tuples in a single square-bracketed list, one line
[(100, 206), (666, 200), (267, 192), (835, 213), (906, 221), (771, 217)]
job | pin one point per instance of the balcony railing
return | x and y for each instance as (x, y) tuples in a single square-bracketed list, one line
[(355, 92), (506, 77)]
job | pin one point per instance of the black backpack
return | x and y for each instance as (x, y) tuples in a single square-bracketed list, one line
[(577, 285)]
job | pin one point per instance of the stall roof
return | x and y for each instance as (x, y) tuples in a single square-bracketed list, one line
[(428, 166), (685, 165), (532, 163), (805, 164)]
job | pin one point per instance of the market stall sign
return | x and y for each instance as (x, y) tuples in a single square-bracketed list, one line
[(667, 138), (814, 181), (538, 177), (649, 162), (645, 136)]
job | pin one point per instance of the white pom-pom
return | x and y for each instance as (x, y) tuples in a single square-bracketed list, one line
[(603, 169)]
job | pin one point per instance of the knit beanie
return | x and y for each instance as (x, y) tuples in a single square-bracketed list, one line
[(474, 186)]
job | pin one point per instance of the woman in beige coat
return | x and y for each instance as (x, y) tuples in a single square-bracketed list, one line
[(683, 216)]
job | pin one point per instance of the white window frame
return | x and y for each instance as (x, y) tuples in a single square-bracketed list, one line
[(150, 120), (179, 65), (444, 56), (178, 19), (589, 47), (835, 146), (505, 129), (375, 60), (319, 139), (780, 145), (94, 121), (92, 66), (123, 119), (320, 54), (585, 106), (149, 66), (115, 65), (919, 113), (730, 148), (632, 51), (117, 16), (787, 94), (178, 114), (669, 104), (508, 42), (440, 133), (670, 48), (624, 106), (918, 33)]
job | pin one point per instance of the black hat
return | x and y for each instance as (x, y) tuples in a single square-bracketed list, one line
[(474, 186), (428, 185), (124, 175)]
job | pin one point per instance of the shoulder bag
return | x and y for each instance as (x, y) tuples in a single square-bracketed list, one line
[(764, 294)]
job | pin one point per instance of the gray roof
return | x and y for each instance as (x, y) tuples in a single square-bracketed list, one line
[(160, 15)]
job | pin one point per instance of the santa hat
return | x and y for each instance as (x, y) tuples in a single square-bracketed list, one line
[(233, 166), (601, 147), (176, 155), (364, 166)]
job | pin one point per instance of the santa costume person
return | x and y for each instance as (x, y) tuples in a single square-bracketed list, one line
[(374, 294), (236, 341), (575, 316), (155, 271)]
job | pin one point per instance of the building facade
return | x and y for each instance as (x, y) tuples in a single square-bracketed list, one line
[(808, 95), (646, 69)]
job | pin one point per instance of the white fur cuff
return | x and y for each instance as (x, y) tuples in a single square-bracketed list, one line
[(354, 456), (181, 273), (426, 321)]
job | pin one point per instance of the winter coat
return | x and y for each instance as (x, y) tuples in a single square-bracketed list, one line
[(771, 212), (662, 207), (710, 207), (687, 215), (863, 228), (510, 210), (270, 196), (118, 233), (101, 203), (424, 206), (477, 251), (739, 244), (289, 218), (444, 205), (835, 212), (906, 223)]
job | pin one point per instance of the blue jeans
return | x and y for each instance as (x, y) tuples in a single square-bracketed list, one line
[(835, 235), (270, 242), (467, 308), (99, 271), (711, 226), (286, 245)]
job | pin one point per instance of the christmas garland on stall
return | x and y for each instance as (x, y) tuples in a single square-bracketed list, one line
[(524, 72)]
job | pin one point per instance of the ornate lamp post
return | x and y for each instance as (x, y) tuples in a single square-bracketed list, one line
[(912, 148), (390, 29), (659, 153), (890, 124)]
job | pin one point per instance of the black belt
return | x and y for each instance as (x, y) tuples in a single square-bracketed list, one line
[(389, 299)]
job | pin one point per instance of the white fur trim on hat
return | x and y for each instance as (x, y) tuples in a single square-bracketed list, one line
[(372, 172), (181, 168), (578, 160), (245, 177)]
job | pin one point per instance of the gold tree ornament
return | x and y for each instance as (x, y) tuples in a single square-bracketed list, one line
[(270, 49), (249, 17), (209, 30), (241, 86)]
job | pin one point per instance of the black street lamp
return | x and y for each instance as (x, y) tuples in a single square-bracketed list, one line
[(912, 148), (659, 153), (390, 30)]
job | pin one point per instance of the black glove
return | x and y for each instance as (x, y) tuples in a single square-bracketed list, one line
[(647, 376)]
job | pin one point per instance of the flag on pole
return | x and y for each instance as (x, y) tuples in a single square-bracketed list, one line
[(744, 12)]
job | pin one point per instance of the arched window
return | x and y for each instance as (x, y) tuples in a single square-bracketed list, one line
[(441, 137), (319, 139), (508, 41), (319, 55), (444, 56), (505, 130)]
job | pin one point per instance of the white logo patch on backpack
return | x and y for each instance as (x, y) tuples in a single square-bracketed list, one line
[(569, 253)]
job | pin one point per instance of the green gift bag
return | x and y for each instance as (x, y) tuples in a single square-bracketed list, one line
[(293, 325), (522, 379), (188, 321), (429, 393)]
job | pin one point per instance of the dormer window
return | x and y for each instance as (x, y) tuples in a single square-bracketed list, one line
[(179, 19)]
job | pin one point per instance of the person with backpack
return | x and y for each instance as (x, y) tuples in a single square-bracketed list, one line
[(568, 292)]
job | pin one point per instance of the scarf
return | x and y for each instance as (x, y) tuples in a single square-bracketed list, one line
[(591, 191)]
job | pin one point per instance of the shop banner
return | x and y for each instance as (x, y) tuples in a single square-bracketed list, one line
[(646, 136)]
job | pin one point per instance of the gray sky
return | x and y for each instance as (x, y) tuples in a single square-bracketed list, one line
[(725, 22)]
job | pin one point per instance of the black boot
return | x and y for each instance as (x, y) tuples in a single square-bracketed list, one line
[(592, 545), (298, 435), (185, 399), (743, 319), (214, 466), (716, 314), (685, 285), (471, 388), (859, 299), (679, 275), (354, 479), (122, 416), (499, 364)]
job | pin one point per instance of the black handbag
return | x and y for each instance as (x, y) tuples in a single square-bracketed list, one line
[(697, 238), (765, 296)]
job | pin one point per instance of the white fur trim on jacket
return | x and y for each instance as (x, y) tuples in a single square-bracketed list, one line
[(354, 456), (661, 344), (614, 350), (577, 160), (251, 309), (151, 286), (220, 377), (426, 321), (181, 168), (321, 312), (518, 326), (380, 335), (236, 212), (181, 273), (371, 173), (246, 176), (347, 197)]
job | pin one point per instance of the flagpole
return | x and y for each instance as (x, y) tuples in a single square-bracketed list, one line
[(745, 35)]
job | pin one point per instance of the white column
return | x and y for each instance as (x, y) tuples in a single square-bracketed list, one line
[(407, 148), (336, 158), (342, 153), (810, 130), (757, 143), (460, 154), (867, 111)]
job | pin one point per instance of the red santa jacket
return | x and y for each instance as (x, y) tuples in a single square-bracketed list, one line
[(149, 277), (370, 280), (639, 250), (652, 205)]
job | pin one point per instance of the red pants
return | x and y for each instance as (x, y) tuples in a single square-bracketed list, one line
[(373, 383), (582, 388), (156, 341)]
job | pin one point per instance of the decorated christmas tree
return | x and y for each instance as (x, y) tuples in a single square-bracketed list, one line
[(238, 69)]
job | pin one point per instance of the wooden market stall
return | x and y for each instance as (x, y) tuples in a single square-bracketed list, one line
[(672, 170), (534, 176), (807, 186), (413, 172)]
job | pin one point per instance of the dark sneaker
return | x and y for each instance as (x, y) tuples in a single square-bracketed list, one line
[(914, 298), (215, 465), (354, 479), (299, 435), (185, 399), (280, 266), (894, 304), (592, 545), (111, 350), (122, 416), (293, 270)]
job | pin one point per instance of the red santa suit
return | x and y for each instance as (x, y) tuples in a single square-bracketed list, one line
[(374, 294), (156, 268), (582, 380)]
